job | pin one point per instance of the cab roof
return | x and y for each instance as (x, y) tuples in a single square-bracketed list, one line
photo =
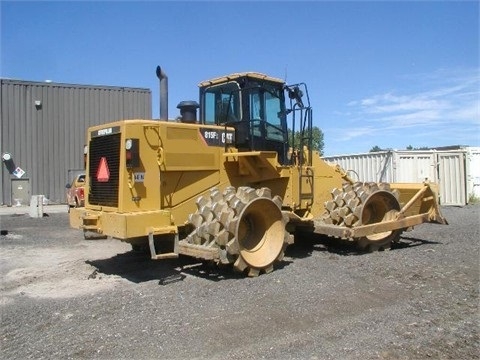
[(235, 76)]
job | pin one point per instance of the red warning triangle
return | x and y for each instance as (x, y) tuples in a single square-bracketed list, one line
[(103, 174)]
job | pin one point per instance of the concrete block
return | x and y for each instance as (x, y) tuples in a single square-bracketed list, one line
[(36, 206)]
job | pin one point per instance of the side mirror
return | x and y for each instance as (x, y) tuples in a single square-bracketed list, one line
[(296, 94)]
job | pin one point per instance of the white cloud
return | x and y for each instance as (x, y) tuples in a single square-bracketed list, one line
[(437, 109), (411, 119), (449, 103), (352, 133), (468, 113)]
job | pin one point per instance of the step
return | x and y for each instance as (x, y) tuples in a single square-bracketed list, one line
[(90, 227), (198, 251), (153, 251), (89, 217)]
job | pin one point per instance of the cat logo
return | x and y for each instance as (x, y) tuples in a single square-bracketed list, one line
[(103, 174)]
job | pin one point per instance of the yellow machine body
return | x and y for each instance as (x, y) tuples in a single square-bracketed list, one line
[(159, 179)]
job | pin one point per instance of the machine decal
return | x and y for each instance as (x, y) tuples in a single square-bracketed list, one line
[(106, 131), (139, 177), (217, 137), (103, 173)]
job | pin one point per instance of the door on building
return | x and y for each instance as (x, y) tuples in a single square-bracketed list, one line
[(20, 192)]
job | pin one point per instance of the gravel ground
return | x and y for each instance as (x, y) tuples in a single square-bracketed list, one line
[(65, 297)]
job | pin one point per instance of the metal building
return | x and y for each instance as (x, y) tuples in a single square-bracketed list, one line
[(43, 128)]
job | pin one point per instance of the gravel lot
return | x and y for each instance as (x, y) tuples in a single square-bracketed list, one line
[(65, 297)]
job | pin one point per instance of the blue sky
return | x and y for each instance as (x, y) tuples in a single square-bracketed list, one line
[(390, 74)]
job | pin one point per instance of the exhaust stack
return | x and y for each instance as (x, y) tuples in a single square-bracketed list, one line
[(163, 93)]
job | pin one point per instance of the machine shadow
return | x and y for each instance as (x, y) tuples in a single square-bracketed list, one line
[(408, 242), (306, 243), (137, 267)]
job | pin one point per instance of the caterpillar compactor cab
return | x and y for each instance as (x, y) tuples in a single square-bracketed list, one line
[(228, 186)]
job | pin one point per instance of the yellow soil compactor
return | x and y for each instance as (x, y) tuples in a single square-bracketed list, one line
[(229, 187)]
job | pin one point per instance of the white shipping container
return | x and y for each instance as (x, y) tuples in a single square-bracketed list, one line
[(377, 167), (472, 165), (447, 168)]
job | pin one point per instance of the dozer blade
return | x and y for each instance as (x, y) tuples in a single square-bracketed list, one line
[(419, 199)]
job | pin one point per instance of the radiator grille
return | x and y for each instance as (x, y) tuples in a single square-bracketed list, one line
[(103, 192)]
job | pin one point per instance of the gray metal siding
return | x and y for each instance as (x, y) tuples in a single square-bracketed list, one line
[(48, 142)]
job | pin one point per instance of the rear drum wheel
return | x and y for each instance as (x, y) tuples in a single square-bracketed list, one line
[(247, 226), (260, 233)]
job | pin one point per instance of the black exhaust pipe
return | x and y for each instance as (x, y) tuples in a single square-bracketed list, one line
[(163, 93)]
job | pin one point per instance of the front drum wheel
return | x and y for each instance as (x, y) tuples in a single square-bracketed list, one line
[(363, 204), (380, 206)]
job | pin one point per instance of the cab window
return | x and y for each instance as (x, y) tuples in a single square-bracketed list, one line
[(266, 106), (222, 104)]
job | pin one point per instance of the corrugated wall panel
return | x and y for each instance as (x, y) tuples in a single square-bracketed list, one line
[(473, 173), (47, 142), (415, 167), (377, 167)]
